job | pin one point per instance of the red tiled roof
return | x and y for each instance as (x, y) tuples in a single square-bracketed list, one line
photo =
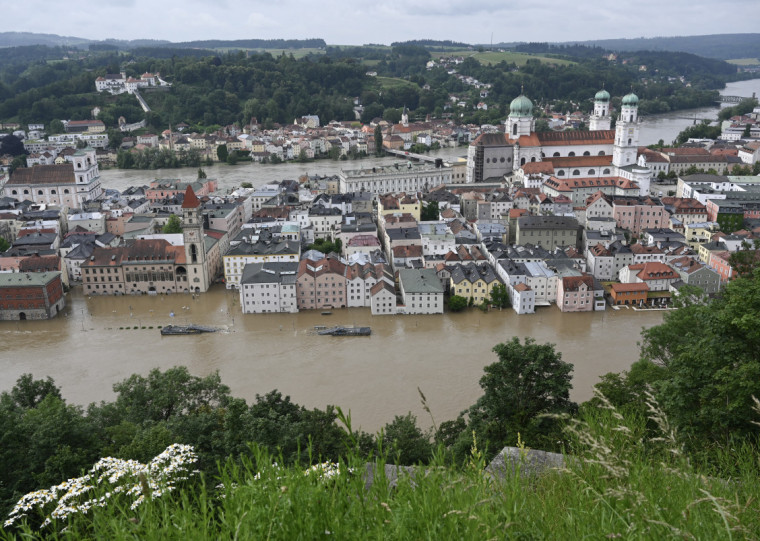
[(191, 200)]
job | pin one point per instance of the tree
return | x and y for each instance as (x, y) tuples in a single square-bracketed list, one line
[(4, 244), (222, 153), (378, 140), (747, 131), (232, 158), (711, 369), (457, 303), (246, 185), (12, 145), (430, 211), (173, 225), (405, 442), (500, 296), (201, 173), (56, 126), (527, 382)]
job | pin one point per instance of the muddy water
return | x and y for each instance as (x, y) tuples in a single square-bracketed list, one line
[(93, 344)]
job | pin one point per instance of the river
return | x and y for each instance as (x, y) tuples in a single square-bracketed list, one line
[(88, 348), (93, 344)]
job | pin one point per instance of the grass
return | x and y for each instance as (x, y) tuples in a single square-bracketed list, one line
[(386, 83), (297, 53), (494, 57), (745, 61), (621, 482)]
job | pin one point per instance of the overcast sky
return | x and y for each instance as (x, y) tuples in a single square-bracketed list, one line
[(380, 21)]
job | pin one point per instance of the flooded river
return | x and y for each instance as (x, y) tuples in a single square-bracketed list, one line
[(93, 345)]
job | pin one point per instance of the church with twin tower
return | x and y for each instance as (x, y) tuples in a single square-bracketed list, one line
[(574, 155)]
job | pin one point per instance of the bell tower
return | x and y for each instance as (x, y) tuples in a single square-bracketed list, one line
[(195, 246), (627, 132)]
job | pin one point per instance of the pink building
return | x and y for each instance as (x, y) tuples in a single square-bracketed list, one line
[(321, 284), (639, 213), (576, 294)]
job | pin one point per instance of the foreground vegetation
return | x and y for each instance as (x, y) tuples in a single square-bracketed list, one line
[(617, 483)]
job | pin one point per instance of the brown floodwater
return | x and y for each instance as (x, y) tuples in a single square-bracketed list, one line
[(93, 344)]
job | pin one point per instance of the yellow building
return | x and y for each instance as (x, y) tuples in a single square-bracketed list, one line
[(473, 281), (399, 204)]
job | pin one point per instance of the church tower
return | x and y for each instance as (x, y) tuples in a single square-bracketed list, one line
[(520, 120), (600, 120), (627, 132), (195, 247), (405, 117)]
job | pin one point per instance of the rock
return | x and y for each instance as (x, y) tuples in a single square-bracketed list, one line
[(530, 461), (392, 473)]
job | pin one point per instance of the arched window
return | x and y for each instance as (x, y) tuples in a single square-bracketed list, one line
[(561, 173), (26, 192), (606, 172), (39, 192), (555, 155), (543, 155), (53, 192), (587, 153), (514, 129), (576, 172), (522, 161), (571, 154), (66, 190), (533, 159), (601, 153), (14, 192), (592, 172), (629, 141)]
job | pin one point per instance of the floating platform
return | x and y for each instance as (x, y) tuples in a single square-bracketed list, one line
[(171, 330), (346, 331)]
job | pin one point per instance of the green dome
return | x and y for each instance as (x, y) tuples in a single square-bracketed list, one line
[(521, 106), (630, 99), (602, 95)]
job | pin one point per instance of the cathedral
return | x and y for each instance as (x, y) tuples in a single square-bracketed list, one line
[(599, 154)]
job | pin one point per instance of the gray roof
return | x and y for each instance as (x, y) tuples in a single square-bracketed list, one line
[(420, 281), (267, 273), (265, 248), (547, 222), (25, 279)]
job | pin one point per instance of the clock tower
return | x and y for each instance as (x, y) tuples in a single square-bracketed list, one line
[(195, 246)]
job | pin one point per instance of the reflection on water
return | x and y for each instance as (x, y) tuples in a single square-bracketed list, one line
[(94, 345)]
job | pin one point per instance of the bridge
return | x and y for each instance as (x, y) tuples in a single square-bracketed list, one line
[(735, 99), (412, 155)]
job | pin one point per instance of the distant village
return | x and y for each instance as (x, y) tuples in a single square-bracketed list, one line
[(575, 218)]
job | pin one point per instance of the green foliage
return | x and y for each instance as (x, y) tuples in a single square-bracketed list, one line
[(173, 225), (430, 211), (743, 108), (710, 367), (499, 296), (4, 244), (326, 246), (201, 174), (246, 185), (222, 153), (698, 131), (378, 140), (405, 443), (457, 303), (528, 382)]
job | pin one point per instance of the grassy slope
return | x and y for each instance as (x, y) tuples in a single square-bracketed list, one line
[(619, 490), (744, 61), (494, 57)]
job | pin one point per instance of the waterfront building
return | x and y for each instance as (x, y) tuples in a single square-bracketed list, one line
[(30, 295), (321, 284), (473, 281), (421, 291), (576, 294), (694, 273), (522, 297), (261, 251), (268, 287)]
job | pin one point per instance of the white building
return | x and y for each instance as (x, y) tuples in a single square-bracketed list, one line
[(269, 287), (421, 291)]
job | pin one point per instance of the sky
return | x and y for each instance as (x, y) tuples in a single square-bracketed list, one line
[(358, 22)]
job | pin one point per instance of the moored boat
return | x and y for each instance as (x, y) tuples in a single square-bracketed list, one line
[(171, 330), (346, 331)]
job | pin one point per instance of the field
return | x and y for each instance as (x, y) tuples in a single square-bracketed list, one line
[(494, 57), (297, 53), (745, 61), (385, 83)]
